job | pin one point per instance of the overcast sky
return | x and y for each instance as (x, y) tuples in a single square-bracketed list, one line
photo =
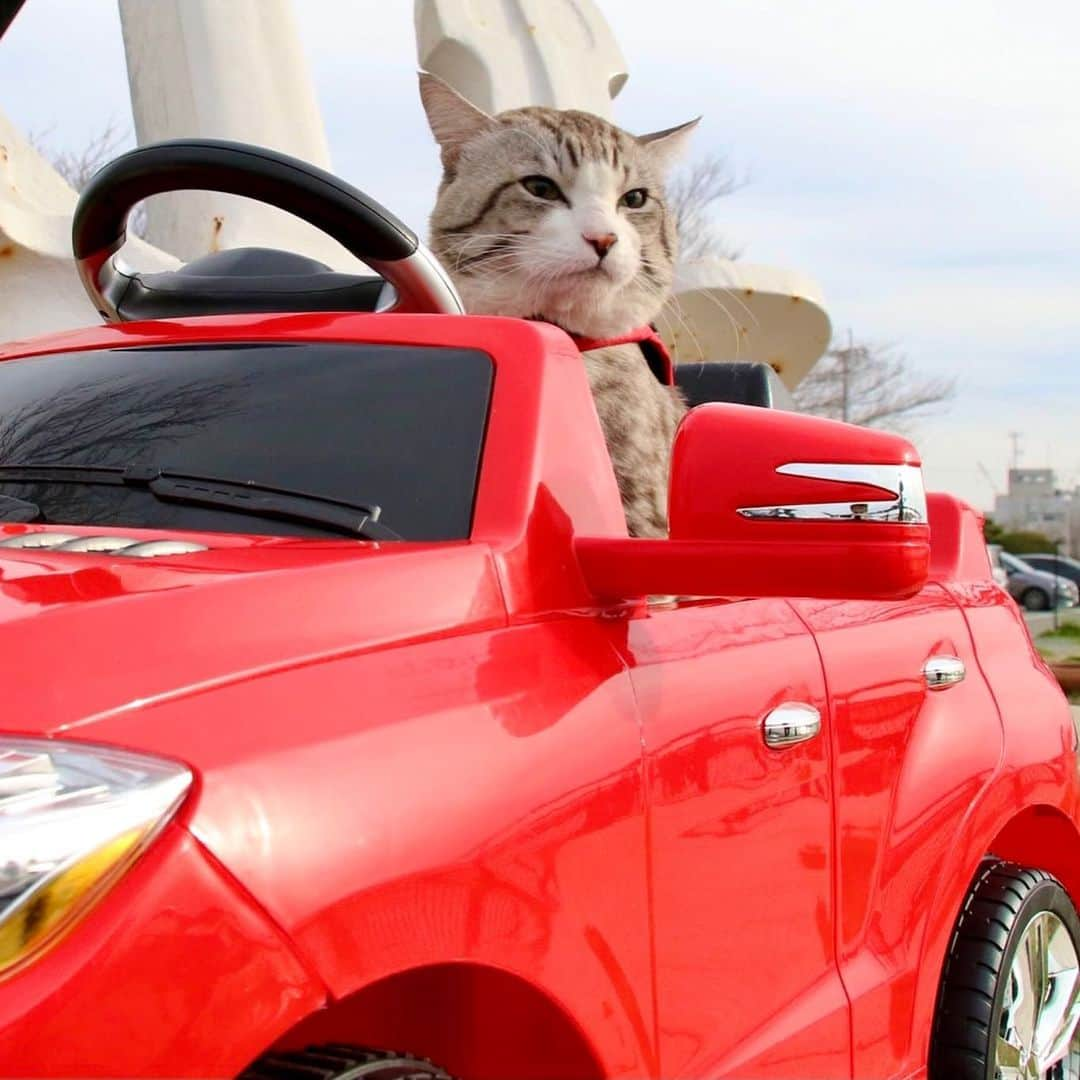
[(919, 159)]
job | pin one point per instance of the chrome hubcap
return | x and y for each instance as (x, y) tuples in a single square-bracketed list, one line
[(1037, 1039)]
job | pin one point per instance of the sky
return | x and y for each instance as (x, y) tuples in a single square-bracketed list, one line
[(919, 160)]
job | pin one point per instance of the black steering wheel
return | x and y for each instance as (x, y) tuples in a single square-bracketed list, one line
[(250, 279)]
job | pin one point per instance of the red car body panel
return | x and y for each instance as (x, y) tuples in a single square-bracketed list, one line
[(739, 834), (496, 863), (100, 609), (908, 765), (173, 940), (447, 799)]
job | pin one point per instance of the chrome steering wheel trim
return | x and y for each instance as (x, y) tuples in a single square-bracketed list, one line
[(420, 284)]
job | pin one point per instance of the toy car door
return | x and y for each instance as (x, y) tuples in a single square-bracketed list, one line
[(913, 741), (741, 841)]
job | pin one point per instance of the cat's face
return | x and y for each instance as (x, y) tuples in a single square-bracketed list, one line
[(552, 214)]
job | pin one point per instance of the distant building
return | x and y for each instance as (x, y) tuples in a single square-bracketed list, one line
[(1035, 502)]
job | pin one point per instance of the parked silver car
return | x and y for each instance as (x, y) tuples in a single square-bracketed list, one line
[(1061, 565), (1036, 590)]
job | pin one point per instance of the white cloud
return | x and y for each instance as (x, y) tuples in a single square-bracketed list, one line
[(62, 71), (920, 159)]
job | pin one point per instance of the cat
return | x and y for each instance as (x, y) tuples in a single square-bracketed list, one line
[(559, 215)]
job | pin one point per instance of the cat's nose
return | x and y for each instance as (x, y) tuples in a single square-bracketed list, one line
[(601, 244)]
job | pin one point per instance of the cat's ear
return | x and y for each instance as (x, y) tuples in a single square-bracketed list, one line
[(454, 120), (665, 147)]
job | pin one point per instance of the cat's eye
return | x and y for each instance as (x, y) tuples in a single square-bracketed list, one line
[(635, 198), (542, 187)]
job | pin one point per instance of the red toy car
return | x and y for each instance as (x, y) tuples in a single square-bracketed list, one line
[(341, 711)]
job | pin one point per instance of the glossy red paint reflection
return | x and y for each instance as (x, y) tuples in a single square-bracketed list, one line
[(908, 766), (742, 844), (459, 798), (174, 939)]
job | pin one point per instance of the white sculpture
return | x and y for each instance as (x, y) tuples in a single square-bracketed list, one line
[(504, 54), (234, 69), (224, 69), (734, 310), (39, 289)]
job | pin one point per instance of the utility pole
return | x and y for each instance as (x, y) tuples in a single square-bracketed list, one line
[(844, 371), (1014, 438), (1057, 551)]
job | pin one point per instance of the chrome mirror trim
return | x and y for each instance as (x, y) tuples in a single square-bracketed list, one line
[(904, 483)]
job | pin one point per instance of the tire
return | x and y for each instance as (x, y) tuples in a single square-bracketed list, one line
[(1035, 600), (984, 1028), (336, 1061)]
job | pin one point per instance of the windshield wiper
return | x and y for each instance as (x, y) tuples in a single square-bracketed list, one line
[(194, 489)]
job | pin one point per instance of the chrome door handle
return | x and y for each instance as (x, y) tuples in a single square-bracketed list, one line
[(790, 723), (941, 672)]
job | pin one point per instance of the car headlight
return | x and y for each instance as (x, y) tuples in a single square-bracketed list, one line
[(72, 819)]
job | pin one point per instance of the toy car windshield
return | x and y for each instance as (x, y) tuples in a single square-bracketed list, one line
[(178, 437)]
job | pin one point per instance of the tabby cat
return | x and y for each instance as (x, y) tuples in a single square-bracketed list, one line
[(559, 215)]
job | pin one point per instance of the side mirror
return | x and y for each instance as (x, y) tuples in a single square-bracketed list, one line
[(770, 503)]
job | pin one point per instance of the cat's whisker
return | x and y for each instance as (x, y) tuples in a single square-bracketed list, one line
[(728, 291), (466, 240), (673, 310), (506, 255), (507, 243), (487, 261), (688, 327), (671, 323), (737, 330)]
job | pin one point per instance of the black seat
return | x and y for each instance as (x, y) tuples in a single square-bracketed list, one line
[(253, 279), (741, 382)]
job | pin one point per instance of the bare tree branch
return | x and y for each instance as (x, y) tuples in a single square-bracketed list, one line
[(78, 166), (872, 385), (691, 196)]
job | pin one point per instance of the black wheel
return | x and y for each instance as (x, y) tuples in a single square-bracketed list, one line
[(336, 1061), (1010, 993), (1035, 600)]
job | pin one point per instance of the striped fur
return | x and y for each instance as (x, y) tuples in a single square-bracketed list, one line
[(514, 252)]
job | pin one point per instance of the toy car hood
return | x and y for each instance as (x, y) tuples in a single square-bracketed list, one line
[(121, 632)]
